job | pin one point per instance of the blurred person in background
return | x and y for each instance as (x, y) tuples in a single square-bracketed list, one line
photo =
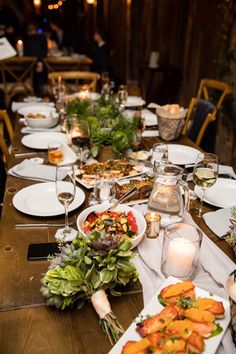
[(36, 45), (60, 36), (100, 53)]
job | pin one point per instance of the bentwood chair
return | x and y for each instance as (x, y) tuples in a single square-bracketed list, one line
[(5, 127), (75, 79), (204, 107)]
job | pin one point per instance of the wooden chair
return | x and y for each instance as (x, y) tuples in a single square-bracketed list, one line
[(5, 126), (17, 76), (204, 96), (74, 79)]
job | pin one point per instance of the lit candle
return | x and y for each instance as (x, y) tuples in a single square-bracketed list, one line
[(153, 224), (20, 48), (180, 256)]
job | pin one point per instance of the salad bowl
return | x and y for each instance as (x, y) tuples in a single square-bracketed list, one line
[(121, 208)]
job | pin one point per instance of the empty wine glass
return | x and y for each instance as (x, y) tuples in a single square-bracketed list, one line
[(205, 174), (80, 136), (61, 105), (65, 189)]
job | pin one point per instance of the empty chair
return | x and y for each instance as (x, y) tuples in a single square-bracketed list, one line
[(203, 110), (5, 127), (75, 79)]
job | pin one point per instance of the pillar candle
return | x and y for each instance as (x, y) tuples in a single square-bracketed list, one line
[(20, 48)]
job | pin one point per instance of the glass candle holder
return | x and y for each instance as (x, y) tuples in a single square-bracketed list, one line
[(153, 224), (180, 250)]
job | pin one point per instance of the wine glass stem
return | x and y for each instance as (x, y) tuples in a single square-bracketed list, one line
[(201, 203), (67, 228)]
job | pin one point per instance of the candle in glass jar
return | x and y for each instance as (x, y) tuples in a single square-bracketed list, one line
[(153, 224), (20, 48), (180, 256)]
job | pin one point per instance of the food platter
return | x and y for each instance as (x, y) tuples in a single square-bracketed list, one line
[(41, 200), (35, 108), (120, 169), (42, 139), (154, 307), (222, 194)]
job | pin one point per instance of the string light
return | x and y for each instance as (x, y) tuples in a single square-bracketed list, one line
[(37, 3), (56, 5)]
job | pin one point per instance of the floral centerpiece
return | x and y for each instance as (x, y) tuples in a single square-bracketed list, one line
[(85, 270), (108, 125)]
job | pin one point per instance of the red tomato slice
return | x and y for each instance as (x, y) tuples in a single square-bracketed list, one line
[(87, 229)]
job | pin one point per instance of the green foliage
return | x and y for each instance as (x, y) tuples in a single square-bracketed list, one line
[(86, 266), (107, 124)]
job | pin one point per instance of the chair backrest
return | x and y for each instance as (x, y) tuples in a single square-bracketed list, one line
[(5, 123), (206, 89), (74, 79)]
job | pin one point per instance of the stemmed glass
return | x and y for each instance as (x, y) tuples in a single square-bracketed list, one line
[(61, 105), (205, 174), (122, 96), (80, 136), (65, 189)]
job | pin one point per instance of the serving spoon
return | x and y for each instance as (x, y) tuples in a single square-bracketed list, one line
[(122, 199)]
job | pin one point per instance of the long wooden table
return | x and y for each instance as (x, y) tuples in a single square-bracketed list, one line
[(27, 325)]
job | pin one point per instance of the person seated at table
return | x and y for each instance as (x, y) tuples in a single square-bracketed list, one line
[(60, 36), (100, 53), (51, 43), (36, 45)]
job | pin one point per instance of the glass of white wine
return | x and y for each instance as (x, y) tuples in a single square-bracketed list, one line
[(65, 190), (205, 174)]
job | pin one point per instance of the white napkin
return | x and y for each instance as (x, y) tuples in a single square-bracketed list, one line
[(218, 221), (69, 156), (16, 105), (149, 117), (29, 170), (149, 133), (29, 130), (213, 271)]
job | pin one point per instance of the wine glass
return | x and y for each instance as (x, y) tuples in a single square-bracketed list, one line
[(65, 189), (122, 96), (80, 136), (205, 174), (61, 105)]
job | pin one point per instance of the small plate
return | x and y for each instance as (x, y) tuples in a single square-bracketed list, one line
[(222, 194), (41, 140), (154, 307), (35, 108), (41, 200), (182, 154)]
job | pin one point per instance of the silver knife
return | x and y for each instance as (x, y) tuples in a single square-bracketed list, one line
[(22, 225)]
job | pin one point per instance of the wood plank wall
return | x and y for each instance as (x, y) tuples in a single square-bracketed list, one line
[(186, 33)]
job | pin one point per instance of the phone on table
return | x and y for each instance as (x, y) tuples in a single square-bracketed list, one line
[(40, 251)]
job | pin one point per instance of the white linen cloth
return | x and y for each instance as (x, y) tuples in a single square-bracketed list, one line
[(218, 221), (69, 156), (149, 117), (213, 271), (149, 133), (29, 170), (16, 105)]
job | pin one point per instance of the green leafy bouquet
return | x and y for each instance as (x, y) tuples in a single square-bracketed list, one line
[(84, 270), (108, 125)]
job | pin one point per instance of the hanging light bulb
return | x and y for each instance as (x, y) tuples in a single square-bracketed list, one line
[(37, 3), (91, 2)]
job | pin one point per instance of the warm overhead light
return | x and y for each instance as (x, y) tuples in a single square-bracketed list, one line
[(90, 2), (37, 3)]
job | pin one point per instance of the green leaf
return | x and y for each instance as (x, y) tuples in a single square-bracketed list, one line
[(95, 280), (218, 329), (106, 276), (125, 246), (87, 260), (160, 299)]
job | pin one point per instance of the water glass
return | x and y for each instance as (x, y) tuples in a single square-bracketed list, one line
[(159, 153), (180, 250), (55, 153), (104, 188)]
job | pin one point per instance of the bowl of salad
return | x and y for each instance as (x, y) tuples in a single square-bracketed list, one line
[(118, 222)]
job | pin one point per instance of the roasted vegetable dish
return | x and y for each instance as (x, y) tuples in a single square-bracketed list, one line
[(144, 187), (112, 223)]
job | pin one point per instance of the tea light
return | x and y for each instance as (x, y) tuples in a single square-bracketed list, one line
[(153, 224), (20, 48), (84, 93), (180, 256)]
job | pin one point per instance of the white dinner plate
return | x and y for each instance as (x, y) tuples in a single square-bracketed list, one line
[(41, 140), (41, 200), (134, 101), (154, 307), (182, 154), (222, 194), (35, 108)]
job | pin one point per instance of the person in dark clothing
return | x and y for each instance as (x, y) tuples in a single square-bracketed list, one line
[(60, 36), (100, 54), (36, 46)]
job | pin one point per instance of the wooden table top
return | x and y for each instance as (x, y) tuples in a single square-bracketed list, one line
[(27, 325)]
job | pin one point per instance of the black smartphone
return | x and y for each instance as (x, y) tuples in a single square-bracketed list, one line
[(39, 251)]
